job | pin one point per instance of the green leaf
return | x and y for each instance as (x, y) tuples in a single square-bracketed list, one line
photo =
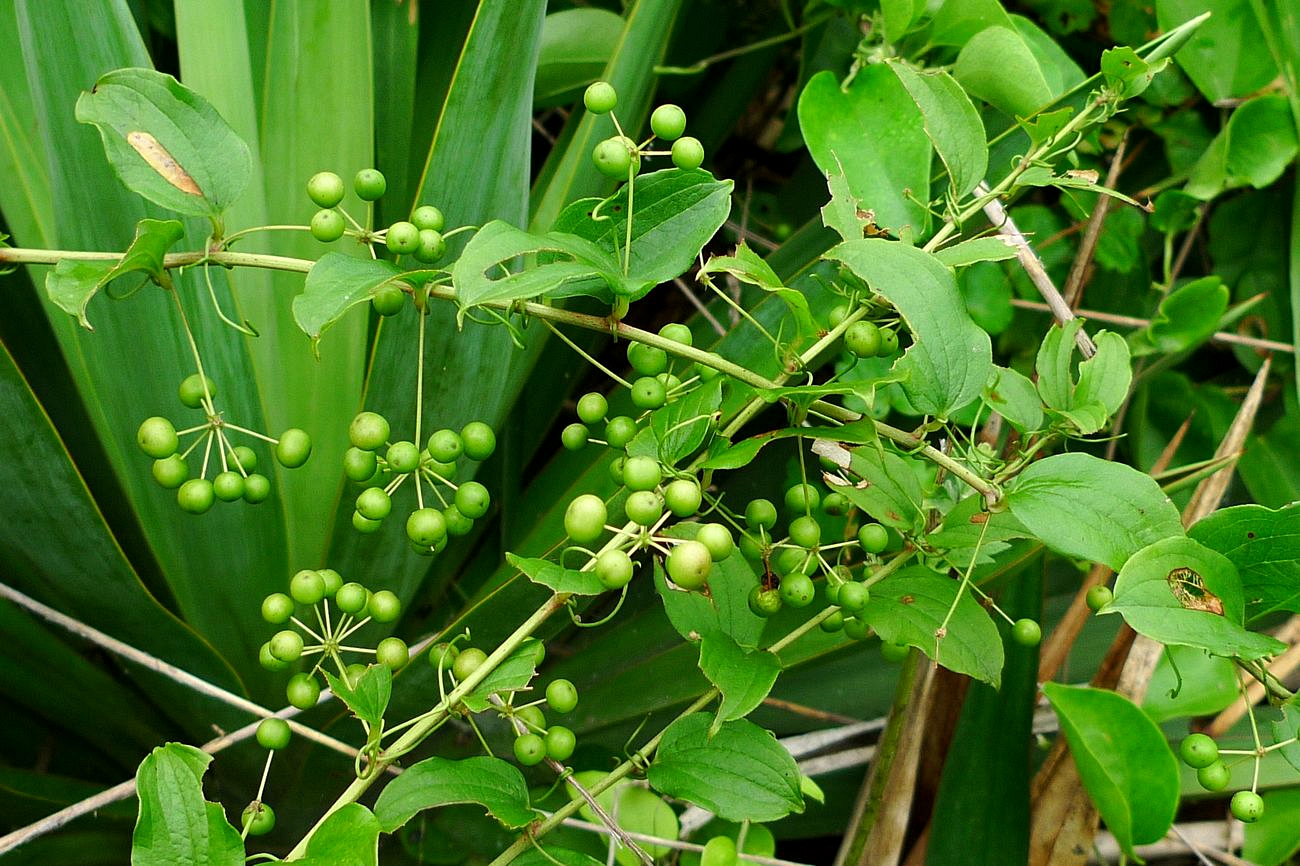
[(1216, 57), (1264, 545), (744, 676), (1015, 398), (576, 45), (957, 21), (951, 122), (166, 142), (1287, 728), (1185, 318), (968, 527), (1055, 382), (556, 577), (891, 493), (874, 133), (1261, 140), (549, 855), (725, 610), (898, 16), (843, 214), (1123, 760), (740, 773), (994, 248), (1272, 840), (176, 825), (681, 426), (997, 66), (951, 357), (72, 284), (1126, 73), (368, 697), (1104, 378), (348, 836), (1189, 682), (748, 267), (514, 673), (1178, 591), (336, 284), (910, 606), (676, 212), (495, 784), (1094, 509)]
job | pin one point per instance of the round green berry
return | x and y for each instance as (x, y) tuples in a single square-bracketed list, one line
[(677, 332), (359, 465), (384, 606), (806, 532), (191, 390), (327, 226), (403, 456), (364, 524), (683, 497), (642, 473), (888, 341), (259, 818), (615, 157), (688, 564), (467, 661), (171, 472), (473, 500), (688, 153), (268, 661), (560, 743), (243, 457), (426, 527), (228, 486), (457, 523), (853, 597), (717, 538), (446, 446), (764, 602), (307, 586), (277, 608), (648, 393), (480, 441), (719, 851), (561, 696), (402, 238), (838, 314), (392, 653), (333, 580), (795, 560), (294, 448), (325, 189), (600, 97), (426, 216), (833, 622), (530, 749), (369, 184), (797, 590), (302, 691), (351, 597), (368, 431), (388, 300), (592, 408), (1199, 751), (196, 496), (584, 519), (157, 438), (613, 569), (1247, 806), (1215, 777), (532, 717), (647, 360), (760, 513), (863, 339), (620, 431), (873, 537), (574, 437), (431, 247), (668, 122), (802, 498), (442, 656), (273, 734), (643, 507), (257, 489), (286, 645), (1026, 632), (374, 504), (1098, 597)]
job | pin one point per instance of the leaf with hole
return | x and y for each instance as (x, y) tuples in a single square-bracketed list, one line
[(1264, 545)]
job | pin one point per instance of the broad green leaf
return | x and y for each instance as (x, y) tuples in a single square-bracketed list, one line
[(744, 676), (350, 835), (336, 284), (950, 357), (724, 610), (1185, 318), (639, 810), (166, 142), (956, 21), (556, 577), (951, 122), (1190, 682), (1219, 57), (495, 784), (875, 134), (176, 825), (1014, 397), (1264, 545), (748, 267), (681, 426), (1053, 365), (1105, 377), (898, 16), (1273, 840), (1089, 508), (994, 248), (1261, 140), (675, 213), (368, 697), (576, 46), (1287, 728), (997, 66), (574, 266), (1178, 591), (968, 527), (514, 673), (72, 284), (740, 773), (911, 606), (891, 493), (843, 214), (1123, 761)]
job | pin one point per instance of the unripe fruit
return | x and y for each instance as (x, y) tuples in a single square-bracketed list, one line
[(369, 184), (277, 608), (1247, 806), (171, 472), (560, 743), (873, 538), (1199, 751), (688, 153), (327, 226), (717, 538), (600, 97), (584, 519), (467, 661), (561, 696), (191, 390), (293, 449), (273, 734), (368, 431), (196, 496), (592, 408), (325, 189), (402, 238), (797, 590), (392, 653), (668, 122), (384, 606), (1026, 632), (286, 645), (530, 749), (426, 216), (863, 339), (307, 587), (157, 438), (613, 569), (302, 691), (688, 564)]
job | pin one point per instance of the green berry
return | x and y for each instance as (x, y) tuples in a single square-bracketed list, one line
[(431, 247), (600, 97), (333, 580), (171, 472), (473, 500), (243, 457), (592, 408), (647, 360), (307, 587), (196, 496), (302, 691), (616, 157), (853, 597), (402, 238), (873, 537), (530, 749), (294, 448), (426, 527), (620, 431), (446, 446), (797, 590), (574, 437), (403, 457), (719, 851), (442, 656), (760, 514), (560, 743), (688, 153), (364, 524), (467, 661), (643, 507), (327, 226), (863, 339), (561, 696), (273, 734), (259, 818), (688, 564), (795, 560), (641, 473), (392, 653), (889, 651), (1099, 596), (257, 488), (717, 538), (368, 431), (325, 189), (764, 602), (833, 622), (838, 314), (384, 606), (268, 661), (1199, 751), (479, 441), (584, 519), (648, 393), (359, 465), (277, 608), (683, 497), (1247, 806), (228, 486), (388, 300), (806, 532), (191, 390), (1026, 632), (532, 717), (802, 498), (351, 597), (286, 645), (613, 569), (426, 216), (457, 523), (677, 332), (668, 122), (369, 184), (157, 438), (374, 504), (888, 342), (1215, 777)]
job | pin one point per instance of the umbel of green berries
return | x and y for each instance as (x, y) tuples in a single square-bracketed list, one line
[(383, 466), (341, 609), (619, 157), (227, 472)]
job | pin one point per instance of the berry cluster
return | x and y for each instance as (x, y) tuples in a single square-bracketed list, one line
[(237, 477), (619, 156), (428, 528), (1201, 753), (863, 338)]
